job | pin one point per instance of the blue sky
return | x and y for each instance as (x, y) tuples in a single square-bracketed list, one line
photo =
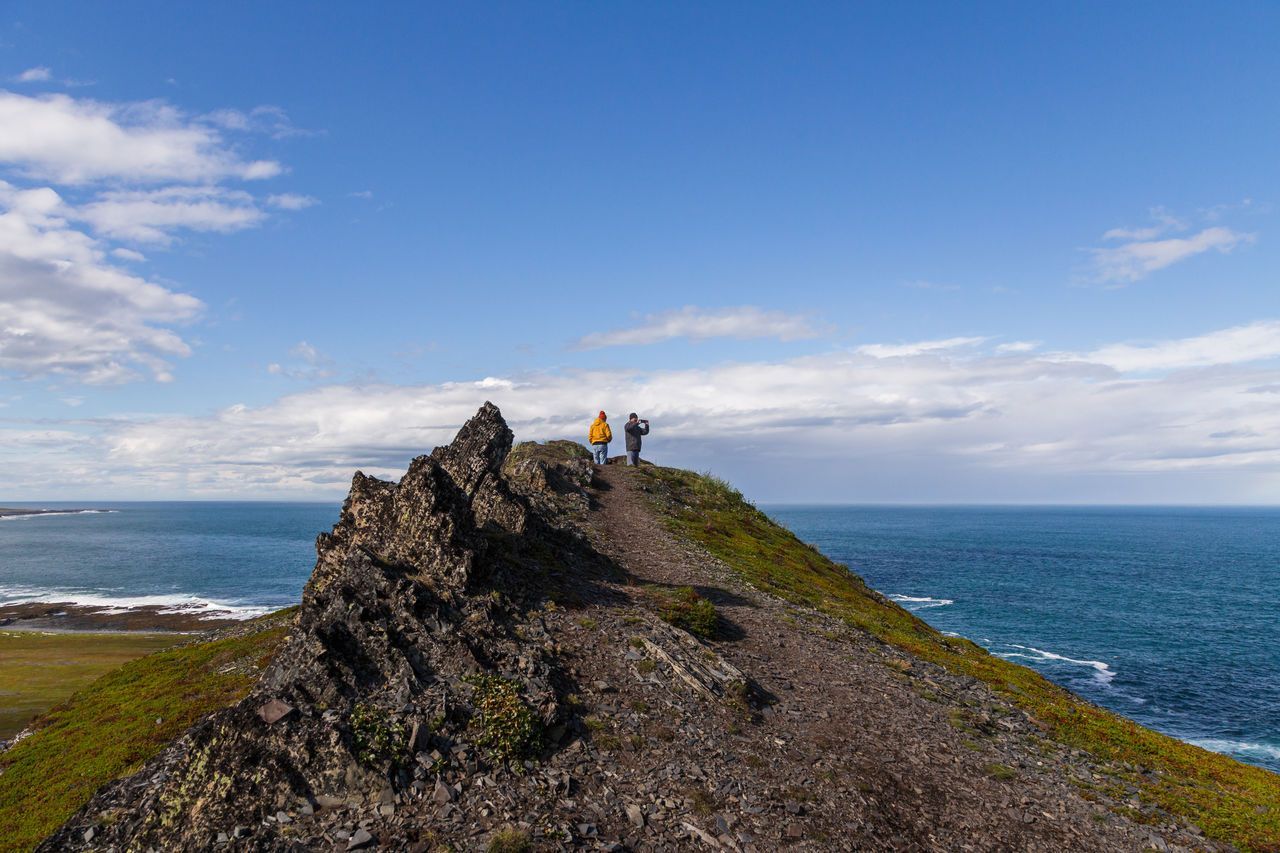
[(891, 252)]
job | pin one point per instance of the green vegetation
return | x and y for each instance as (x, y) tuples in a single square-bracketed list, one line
[(1001, 771), (504, 723), (684, 608), (119, 721), (510, 841), (1230, 801), (39, 670), (377, 735)]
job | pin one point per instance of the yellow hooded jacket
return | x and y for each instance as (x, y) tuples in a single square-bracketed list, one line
[(599, 433)]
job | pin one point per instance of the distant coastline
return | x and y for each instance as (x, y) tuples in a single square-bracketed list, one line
[(9, 511)]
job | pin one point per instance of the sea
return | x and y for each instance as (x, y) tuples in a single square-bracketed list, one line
[(1170, 616)]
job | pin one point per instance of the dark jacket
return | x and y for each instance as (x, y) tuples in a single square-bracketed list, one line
[(634, 431)]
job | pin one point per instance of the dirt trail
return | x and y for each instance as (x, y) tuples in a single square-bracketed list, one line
[(873, 756)]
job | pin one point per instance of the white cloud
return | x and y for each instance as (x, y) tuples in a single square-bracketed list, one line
[(1239, 344), (269, 120), (849, 423), (39, 74), (309, 364), (1136, 260), (917, 348), (65, 310), (123, 172), (291, 201), (148, 216), (702, 324), (75, 141), (1162, 223), (1018, 346)]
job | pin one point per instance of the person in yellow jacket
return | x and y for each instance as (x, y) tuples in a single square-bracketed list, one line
[(599, 436)]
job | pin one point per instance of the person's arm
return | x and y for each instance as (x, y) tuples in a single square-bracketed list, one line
[(644, 428), (608, 434)]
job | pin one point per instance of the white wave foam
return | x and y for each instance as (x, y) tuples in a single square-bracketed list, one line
[(1103, 673), (919, 602), (101, 601), (1237, 747)]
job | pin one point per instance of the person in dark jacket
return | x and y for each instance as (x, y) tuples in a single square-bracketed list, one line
[(634, 428)]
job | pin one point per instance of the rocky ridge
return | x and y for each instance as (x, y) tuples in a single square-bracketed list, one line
[(478, 662)]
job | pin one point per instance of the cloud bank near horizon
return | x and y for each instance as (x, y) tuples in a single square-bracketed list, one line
[(1179, 408)]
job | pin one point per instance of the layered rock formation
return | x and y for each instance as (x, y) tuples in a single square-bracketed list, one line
[(417, 588)]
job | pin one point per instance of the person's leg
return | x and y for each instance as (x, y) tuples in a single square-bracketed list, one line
[(599, 453), (633, 457)]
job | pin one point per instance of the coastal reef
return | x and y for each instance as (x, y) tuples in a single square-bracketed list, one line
[(512, 649)]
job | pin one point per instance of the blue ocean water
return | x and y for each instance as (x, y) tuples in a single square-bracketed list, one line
[(1170, 616), (247, 558)]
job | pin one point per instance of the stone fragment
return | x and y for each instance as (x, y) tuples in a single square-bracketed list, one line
[(635, 815), (274, 711), (361, 839)]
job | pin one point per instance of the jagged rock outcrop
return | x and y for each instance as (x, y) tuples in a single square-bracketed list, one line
[(406, 601)]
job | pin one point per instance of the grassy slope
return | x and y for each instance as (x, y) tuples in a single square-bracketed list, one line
[(39, 670), (110, 728), (1230, 801)]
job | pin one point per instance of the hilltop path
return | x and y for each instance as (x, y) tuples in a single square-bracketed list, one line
[(871, 754)]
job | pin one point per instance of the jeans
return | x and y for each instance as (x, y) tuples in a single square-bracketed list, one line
[(633, 457), (601, 452)]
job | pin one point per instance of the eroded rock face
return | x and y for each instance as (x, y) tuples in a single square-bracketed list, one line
[(408, 598)]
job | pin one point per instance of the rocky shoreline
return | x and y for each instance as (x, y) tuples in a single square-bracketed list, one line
[(78, 618), (8, 511)]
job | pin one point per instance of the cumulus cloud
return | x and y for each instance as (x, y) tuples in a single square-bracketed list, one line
[(73, 141), (65, 310), (133, 173), (39, 74), (852, 423), (700, 324), (150, 216)]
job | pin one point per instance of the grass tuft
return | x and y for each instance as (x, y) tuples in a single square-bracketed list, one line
[(504, 723)]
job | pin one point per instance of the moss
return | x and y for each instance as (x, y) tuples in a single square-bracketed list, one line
[(110, 728), (684, 608), (1001, 771), (558, 450), (504, 723), (700, 801), (1232, 802)]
